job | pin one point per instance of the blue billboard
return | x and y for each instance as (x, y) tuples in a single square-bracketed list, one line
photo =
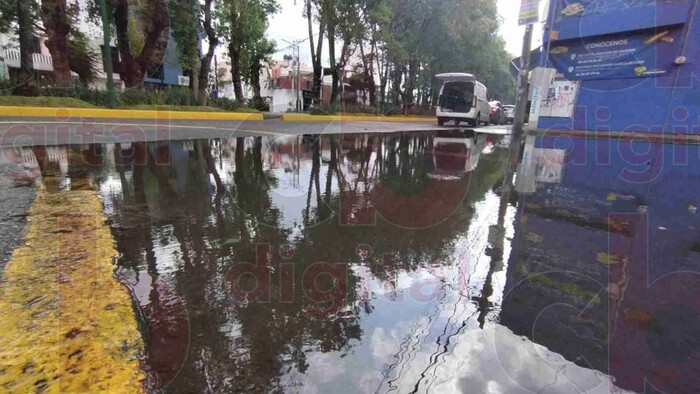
[(636, 54)]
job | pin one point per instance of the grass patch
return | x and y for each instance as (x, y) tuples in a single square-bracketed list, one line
[(187, 108), (49, 102)]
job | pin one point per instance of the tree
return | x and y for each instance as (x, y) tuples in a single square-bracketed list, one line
[(316, 52), (18, 17), (244, 23), (254, 57), (69, 48), (142, 33), (205, 66), (186, 29), (26, 83)]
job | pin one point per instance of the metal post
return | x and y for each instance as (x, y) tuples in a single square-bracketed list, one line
[(523, 83), (107, 49), (216, 75), (298, 51)]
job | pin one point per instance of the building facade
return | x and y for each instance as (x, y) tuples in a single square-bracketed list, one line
[(167, 72), (620, 66)]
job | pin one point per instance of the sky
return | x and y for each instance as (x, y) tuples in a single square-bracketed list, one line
[(289, 25)]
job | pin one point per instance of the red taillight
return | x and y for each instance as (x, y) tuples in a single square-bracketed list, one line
[(494, 110), (474, 102)]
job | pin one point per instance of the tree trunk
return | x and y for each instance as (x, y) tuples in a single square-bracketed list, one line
[(369, 75), (129, 72), (26, 84), (235, 54), (206, 60), (234, 50), (55, 20), (397, 78), (255, 82), (315, 55), (335, 87), (202, 92), (194, 81), (411, 81)]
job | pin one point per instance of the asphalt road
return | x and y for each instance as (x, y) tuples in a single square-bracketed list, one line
[(41, 131)]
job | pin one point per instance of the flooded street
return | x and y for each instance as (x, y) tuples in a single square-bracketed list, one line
[(407, 262)]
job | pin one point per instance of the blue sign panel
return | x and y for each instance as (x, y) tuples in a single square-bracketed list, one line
[(576, 8), (637, 54), (583, 18)]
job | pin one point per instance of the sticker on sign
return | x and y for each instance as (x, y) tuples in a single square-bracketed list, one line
[(529, 12)]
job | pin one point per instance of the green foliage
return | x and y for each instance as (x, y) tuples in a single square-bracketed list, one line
[(168, 96), (8, 15), (185, 29), (421, 38), (135, 34), (224, 103)]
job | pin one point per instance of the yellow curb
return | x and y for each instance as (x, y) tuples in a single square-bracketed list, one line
[(68, 113), (67, 324), (354, 118)]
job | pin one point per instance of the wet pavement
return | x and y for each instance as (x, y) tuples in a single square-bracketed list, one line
[(16, 195), (424, 261)]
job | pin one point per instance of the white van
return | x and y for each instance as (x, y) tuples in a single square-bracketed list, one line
[(462, 99)]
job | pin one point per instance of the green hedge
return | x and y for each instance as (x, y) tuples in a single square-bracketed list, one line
[(170, 96)]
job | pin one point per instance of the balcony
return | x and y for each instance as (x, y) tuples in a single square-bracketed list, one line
[(41, 62)]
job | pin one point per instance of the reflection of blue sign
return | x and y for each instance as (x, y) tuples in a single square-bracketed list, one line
[(630, 55)]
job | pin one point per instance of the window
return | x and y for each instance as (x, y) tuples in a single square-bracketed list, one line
[(116, 62)]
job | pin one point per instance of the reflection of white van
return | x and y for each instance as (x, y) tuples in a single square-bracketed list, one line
[(462, 99), (455, 157)]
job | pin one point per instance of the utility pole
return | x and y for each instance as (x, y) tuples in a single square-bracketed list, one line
[(298, 48), (523, 83), (107, 58)]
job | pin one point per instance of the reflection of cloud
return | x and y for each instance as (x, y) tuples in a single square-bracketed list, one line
[(326, 368), (496, 360), (384, 344)]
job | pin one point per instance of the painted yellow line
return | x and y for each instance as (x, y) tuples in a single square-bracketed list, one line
[(69, 113), (353, 118), (179, 126), (67, 324)]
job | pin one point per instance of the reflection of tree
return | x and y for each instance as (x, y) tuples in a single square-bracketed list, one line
[(406, 162), (180, 243)]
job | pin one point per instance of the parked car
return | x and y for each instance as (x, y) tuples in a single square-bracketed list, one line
[(462, 99), (510, 113), (497, 114)]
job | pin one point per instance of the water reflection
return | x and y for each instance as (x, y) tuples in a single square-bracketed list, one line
[(604, 261), (405, 262)]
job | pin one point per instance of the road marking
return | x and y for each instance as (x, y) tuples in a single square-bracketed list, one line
[(67, 323)]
